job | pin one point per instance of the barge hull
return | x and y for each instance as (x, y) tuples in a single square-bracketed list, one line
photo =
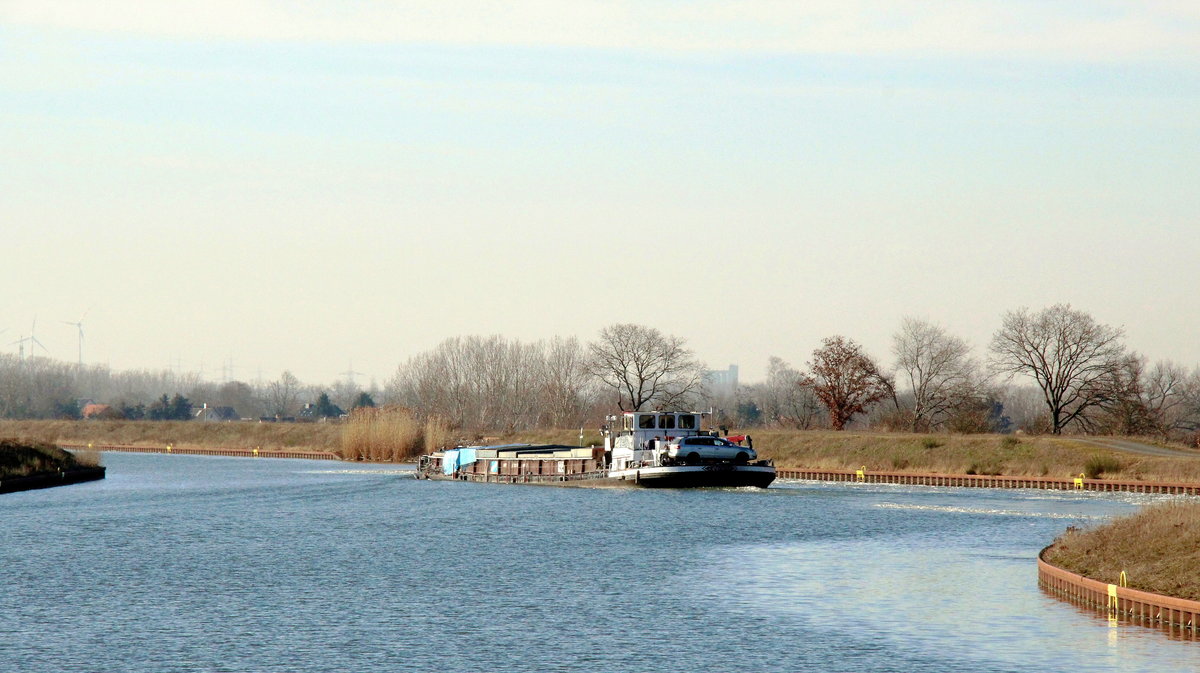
[(712, 476), (650, 477)]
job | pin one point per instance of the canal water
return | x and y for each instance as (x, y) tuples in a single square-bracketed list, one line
[(191, 563)]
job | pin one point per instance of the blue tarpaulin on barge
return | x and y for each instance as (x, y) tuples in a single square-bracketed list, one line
[(456, 458)]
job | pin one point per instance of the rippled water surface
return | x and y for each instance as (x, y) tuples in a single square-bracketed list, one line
[(190, 563)]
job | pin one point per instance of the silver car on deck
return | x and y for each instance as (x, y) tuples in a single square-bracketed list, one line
[(693, 450)]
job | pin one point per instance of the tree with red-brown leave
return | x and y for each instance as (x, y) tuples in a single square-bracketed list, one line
[(845, 379)]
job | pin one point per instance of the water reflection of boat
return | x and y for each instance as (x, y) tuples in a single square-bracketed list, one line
[(666, 449)]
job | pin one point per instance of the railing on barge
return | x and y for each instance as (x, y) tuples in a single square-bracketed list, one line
[(516, 470), (990, 481), (486, 478)]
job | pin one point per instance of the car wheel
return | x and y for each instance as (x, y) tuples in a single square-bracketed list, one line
[(693, 458), (742, 458)]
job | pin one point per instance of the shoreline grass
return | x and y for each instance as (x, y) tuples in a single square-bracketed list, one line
[(1158, 548)]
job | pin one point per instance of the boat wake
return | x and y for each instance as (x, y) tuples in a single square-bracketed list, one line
[(987, 511)]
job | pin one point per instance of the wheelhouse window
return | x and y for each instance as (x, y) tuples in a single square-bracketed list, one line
[(687, 422), (646, 422), (666, 421)]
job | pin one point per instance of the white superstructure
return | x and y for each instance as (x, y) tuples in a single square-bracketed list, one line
[(639, 438)]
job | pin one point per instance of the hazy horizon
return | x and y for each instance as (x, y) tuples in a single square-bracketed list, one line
[(306, 188)]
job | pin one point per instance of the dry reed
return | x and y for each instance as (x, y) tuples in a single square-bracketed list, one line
[(389, 434)]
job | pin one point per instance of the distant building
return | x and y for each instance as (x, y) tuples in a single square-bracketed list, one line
[(93, 410), (207, 413), (722, 381)]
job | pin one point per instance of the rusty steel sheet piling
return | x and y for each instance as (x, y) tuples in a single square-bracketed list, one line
[(989, 481), (1118, 601)]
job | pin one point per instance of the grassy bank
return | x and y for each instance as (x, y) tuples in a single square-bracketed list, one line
[(1026, 456), (237, 435), (20, 458), (1036, 456), (1158, 548), (388, 435)]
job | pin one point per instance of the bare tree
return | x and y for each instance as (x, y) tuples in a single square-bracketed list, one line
[(343, 393), (241, 397), (1145, 399), (645, 367), (845, 379), (938, 369), (1188, 413), (494, 383), (1164, 392), (282, 395), (566, 383), (785, 400), (1073, 359), (36, 387)]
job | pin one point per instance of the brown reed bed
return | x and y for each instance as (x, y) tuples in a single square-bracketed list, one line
[(1158, 548), (390, 434)]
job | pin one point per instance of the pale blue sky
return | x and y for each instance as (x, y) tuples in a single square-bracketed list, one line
[(302, 186)]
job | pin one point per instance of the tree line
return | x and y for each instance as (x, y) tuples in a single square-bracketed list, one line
[(1050, 371), (41, 388)]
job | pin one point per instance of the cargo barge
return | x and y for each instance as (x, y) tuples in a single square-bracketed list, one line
[(660, 449)]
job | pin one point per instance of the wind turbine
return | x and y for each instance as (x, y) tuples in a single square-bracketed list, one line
[(33, 340), (78, 325)]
